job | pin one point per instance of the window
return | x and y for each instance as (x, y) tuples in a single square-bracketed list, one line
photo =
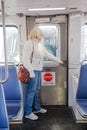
[(84, 43), (51, 40), (11, 44)]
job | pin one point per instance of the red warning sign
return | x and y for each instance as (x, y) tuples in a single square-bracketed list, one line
[(48, 77)]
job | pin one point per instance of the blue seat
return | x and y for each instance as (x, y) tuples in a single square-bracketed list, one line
[(4, 125), (12, 91), (81, 96)]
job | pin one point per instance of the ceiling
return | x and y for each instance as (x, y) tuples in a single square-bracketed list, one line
[(13, 7)]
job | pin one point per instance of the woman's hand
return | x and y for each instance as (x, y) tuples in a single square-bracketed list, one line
[(61, 63)]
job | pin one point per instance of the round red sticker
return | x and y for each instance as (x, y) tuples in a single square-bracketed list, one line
[(48, 77)]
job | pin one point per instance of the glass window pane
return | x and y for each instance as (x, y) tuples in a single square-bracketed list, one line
[(50, 40), (11, 43), (84, 43)]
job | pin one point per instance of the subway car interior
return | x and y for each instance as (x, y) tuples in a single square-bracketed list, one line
[(63, 88)]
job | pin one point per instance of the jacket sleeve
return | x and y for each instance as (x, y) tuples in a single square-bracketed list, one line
[(50, 56), (27, 51)]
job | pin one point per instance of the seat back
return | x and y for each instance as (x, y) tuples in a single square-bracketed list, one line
[(82, 85), (11, 90), (3, 111), (11, 86)]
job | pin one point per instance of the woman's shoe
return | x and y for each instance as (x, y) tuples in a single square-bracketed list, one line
[(31, 116), (42, 110)]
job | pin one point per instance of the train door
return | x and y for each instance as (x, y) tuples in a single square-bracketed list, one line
[(54, 76)]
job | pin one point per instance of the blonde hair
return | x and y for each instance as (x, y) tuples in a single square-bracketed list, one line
[(35, 34)]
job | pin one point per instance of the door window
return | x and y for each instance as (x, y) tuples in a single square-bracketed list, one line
[(51, 40)]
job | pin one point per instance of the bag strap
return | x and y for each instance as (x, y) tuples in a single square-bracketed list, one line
[(32, 53)]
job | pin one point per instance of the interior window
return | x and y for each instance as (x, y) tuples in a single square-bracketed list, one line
[(11, 44), (51, 39), (84, 43)]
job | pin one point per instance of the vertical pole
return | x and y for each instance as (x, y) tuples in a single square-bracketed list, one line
[(4, 39)]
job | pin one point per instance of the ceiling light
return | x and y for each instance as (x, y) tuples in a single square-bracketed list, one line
[(46, 9)]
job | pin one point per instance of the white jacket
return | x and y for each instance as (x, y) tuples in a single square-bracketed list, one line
[(39, 52)]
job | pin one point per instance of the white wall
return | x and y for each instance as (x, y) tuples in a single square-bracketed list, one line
[(75, 23)]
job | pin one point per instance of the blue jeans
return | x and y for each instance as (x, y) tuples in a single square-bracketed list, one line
[(32, 100)]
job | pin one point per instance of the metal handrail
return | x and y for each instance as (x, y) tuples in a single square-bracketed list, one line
[(4, 39)]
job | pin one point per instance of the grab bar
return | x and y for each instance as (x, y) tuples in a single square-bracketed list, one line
[(4, 40)]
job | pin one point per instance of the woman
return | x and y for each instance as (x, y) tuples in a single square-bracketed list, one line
[(33, 54)]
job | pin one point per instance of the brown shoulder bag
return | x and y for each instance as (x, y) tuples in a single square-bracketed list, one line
[(23, 74)]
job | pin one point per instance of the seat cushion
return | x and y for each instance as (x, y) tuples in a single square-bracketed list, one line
[(13, 108), (82, 107), (4, 128)]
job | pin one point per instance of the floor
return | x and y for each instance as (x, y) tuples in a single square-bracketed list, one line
[(57, 118)]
